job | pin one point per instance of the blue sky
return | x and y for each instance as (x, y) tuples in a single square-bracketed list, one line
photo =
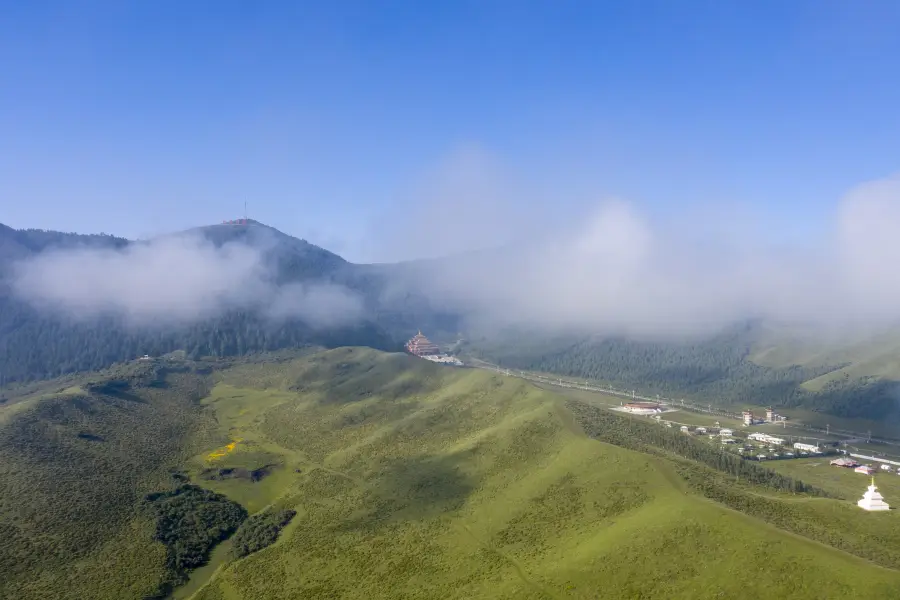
[(331, 118)]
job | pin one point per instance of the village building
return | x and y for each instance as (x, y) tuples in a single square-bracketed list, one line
[(844, 462), (748, 418), (806, 447), (443, 360), (726, 432), (865, 470), (765, 438), (643, 408), (770, 414), (420, 345)]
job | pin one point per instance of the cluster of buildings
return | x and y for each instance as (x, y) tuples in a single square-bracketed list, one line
[(850, 463), (422, 347), (872, 499)]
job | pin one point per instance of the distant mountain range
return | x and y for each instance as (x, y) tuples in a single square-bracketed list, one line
[(755, 363), (39, 343)]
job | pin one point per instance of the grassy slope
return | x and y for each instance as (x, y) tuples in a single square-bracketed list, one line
[(73, 468), (868, 356), (410, 480), (465, 484)]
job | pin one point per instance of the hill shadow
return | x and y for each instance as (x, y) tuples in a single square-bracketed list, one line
[(412, 489), (116, 388)]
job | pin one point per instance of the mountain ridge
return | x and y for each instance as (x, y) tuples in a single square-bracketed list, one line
[(37, 344), (755, 363)]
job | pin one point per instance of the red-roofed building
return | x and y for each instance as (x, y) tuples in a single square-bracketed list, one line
[(422, 346), (643, 408)]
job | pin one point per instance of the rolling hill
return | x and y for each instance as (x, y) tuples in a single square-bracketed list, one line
[(354, 473)]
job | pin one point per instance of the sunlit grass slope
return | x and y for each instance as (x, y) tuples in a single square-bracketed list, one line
[(412, 480)]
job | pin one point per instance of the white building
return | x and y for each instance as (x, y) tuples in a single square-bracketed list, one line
[(643, 408), (443, 359), (806, 447), (885, 467), (765, 438), (872, 500), (726, 432), (700, 430)]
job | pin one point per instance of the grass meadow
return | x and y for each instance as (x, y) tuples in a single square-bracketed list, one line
[(409, 480)]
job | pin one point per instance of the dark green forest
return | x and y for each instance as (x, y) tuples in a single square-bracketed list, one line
[(190, 521), (716, 370), (259, 531), (37, 344)]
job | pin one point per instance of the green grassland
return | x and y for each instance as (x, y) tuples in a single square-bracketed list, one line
[(864, 355), (842, 481), (482, 486), (409, 480)]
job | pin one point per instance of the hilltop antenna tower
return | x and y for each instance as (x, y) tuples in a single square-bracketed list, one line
[(245, 212)]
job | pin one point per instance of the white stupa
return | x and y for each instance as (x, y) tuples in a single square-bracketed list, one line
[(872, 500)]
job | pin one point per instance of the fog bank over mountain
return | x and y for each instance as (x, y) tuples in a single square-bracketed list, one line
[(177, 279), (615, 270), (508, 259)]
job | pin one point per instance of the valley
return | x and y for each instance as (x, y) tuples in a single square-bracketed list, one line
[(403, 479)]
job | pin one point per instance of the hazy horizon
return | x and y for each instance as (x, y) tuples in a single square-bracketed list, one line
[(662, 168)]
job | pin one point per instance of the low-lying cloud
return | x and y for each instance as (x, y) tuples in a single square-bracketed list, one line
[(617, 271), (175, 280), (609, 270)]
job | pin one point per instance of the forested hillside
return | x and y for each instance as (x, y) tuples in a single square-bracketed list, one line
[(718, 370), (750, 363), (38, 344)]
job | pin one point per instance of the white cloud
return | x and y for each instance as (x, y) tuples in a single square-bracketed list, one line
[(616, 271), (174, 279)]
